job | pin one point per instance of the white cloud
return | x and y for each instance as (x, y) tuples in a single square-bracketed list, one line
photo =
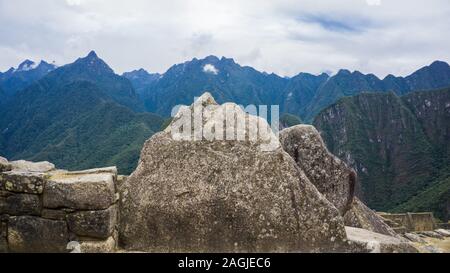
[(373, 2), (284, 36), (209, 68), (73, 2)]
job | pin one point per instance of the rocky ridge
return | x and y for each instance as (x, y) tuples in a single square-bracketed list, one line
[(214, 195)]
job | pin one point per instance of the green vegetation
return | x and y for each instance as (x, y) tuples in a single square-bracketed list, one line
[(435, 198), (73, 117), (288, 120), (398, 145), (109, 135)]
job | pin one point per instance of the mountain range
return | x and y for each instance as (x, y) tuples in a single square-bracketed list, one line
[(79, 115), (84, 115), (303, 95), (399, 145)]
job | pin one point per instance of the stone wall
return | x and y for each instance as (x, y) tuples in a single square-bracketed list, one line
[(43, 209), (47, 210), (409, 222)]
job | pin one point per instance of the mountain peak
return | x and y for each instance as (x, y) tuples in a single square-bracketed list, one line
[(137, 73), (324, 75), (225, 59), (211, 58), (435, 67), (44, 66), (390, 77), (93, 63), (344, 72), (26, 65), (92, 55), (42, 62), (439, 64), (10, 70), (141, 72)]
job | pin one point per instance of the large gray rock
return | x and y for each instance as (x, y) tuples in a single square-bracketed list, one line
[(84, 192), (95, 224), (223, 195), (34, 234), (377, 243), (19, 204), (4, 165), (329, 174), (360, 216), (27, 166), (22, 181)]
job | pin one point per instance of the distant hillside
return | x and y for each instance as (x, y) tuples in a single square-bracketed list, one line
[(304, 95), (345, 83), (299, 93), (398, 145), (16, 79), (141, 79), (2, 96), (226, 80), (288, 120), (78, 116), (47, 112)]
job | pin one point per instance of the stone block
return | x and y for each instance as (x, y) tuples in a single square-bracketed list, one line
[(82, 192), (27, 166), (106, 246), (19, 204), (22, 182), (111, 170), (54, 214), (95, 224), (377, 243), (35, 234)]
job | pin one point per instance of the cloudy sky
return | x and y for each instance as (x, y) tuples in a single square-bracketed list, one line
[(285, 36)]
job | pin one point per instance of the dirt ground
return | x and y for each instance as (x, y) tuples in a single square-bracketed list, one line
[(434, 245)]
